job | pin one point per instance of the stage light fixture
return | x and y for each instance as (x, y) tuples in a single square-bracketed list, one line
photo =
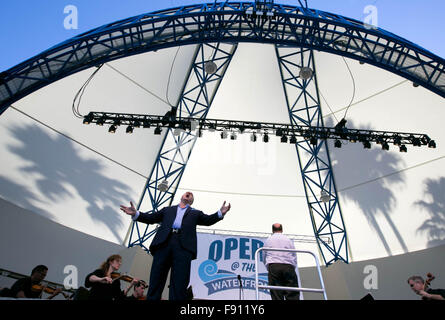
[(266, 138), (200, 133), (88, 118), (100, 121), (337, 144), (112, 129), (385, 146), (306, 73), (403, 148), (293, 140), (129, 129), (253, 137), (313, 141), (279, 132), (146, 123), (163, 186), (432, 144), (233, 136), (397, 141), (210, 67), (366, 144), (324, 196), (283, 139), (223, 135), (158, 130)]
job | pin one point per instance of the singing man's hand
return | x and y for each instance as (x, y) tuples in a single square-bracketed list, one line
[(129, 210), (224, 208)]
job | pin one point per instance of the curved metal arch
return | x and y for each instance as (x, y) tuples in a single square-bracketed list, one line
[(232, 22)]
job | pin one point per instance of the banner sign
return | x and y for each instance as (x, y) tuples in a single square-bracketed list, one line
[(225, 268)]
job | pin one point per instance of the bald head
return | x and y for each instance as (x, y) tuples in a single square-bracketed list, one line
[(277, 227)]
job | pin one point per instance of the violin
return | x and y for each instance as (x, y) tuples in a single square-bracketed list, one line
[(50, 290), (123, 277), (429, 278)]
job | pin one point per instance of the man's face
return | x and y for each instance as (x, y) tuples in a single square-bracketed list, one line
[(187, 198), (39, 275), (416, 286)]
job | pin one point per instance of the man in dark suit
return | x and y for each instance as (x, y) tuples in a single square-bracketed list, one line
[(175, 244)]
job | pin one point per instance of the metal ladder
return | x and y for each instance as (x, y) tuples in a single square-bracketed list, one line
[(299, 288)]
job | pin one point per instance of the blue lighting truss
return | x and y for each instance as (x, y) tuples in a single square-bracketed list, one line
[(195, 100), (303, 103), (225, 22)]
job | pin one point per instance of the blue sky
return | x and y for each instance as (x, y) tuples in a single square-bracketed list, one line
[(29, 27)]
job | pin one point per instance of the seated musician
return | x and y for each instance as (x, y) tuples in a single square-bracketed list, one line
[(138, 291), (30, 287), (419, 286), (101, 282)]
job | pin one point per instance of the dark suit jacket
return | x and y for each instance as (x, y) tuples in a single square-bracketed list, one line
[(166, 217)]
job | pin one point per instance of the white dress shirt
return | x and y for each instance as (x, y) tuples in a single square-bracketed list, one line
[(279, 241)]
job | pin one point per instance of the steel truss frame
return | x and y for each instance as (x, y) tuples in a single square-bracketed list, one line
[(303, 103), (230, 22)]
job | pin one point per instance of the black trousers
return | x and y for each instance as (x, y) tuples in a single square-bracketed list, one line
[(171, 256), (283, 275)]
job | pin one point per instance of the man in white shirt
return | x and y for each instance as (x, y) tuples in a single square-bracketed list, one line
[(281, 264)]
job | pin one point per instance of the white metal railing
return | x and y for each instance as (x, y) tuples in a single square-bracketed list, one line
[(299, 288)]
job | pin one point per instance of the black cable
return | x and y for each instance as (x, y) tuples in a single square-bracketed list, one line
[(79, 94), (353, 89)]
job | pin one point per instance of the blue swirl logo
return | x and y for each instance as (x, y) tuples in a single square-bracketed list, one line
[(208, 271)]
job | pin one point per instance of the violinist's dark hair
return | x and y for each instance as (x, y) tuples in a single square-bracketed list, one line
[(39, 268), (416, 279), (106, 264)]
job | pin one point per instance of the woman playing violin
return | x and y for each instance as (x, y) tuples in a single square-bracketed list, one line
[(101, 282), (420, 287)]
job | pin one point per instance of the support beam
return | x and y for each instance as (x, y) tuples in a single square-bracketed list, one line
[(303, 103)]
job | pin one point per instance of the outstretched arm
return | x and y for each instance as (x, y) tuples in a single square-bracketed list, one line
[(129, 210), (224, 209)]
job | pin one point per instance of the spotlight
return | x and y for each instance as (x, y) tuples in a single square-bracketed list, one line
[(313, 141), (415, 85), (266, 138), (163, 186), (146, 124), (200, 133), (253, 137), (306, 73), (129, 129), (284, 139), (233, 136), (324, 196), (279, 132), (112, 129), (416, 142), (353, 139), (366, 144), (88, 118), (337, 144), (100, 121), (158, 130), (432, 144), (293, 140), (385, 146), (210, 67), (223, 135), (403, 148), (398, 141)]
